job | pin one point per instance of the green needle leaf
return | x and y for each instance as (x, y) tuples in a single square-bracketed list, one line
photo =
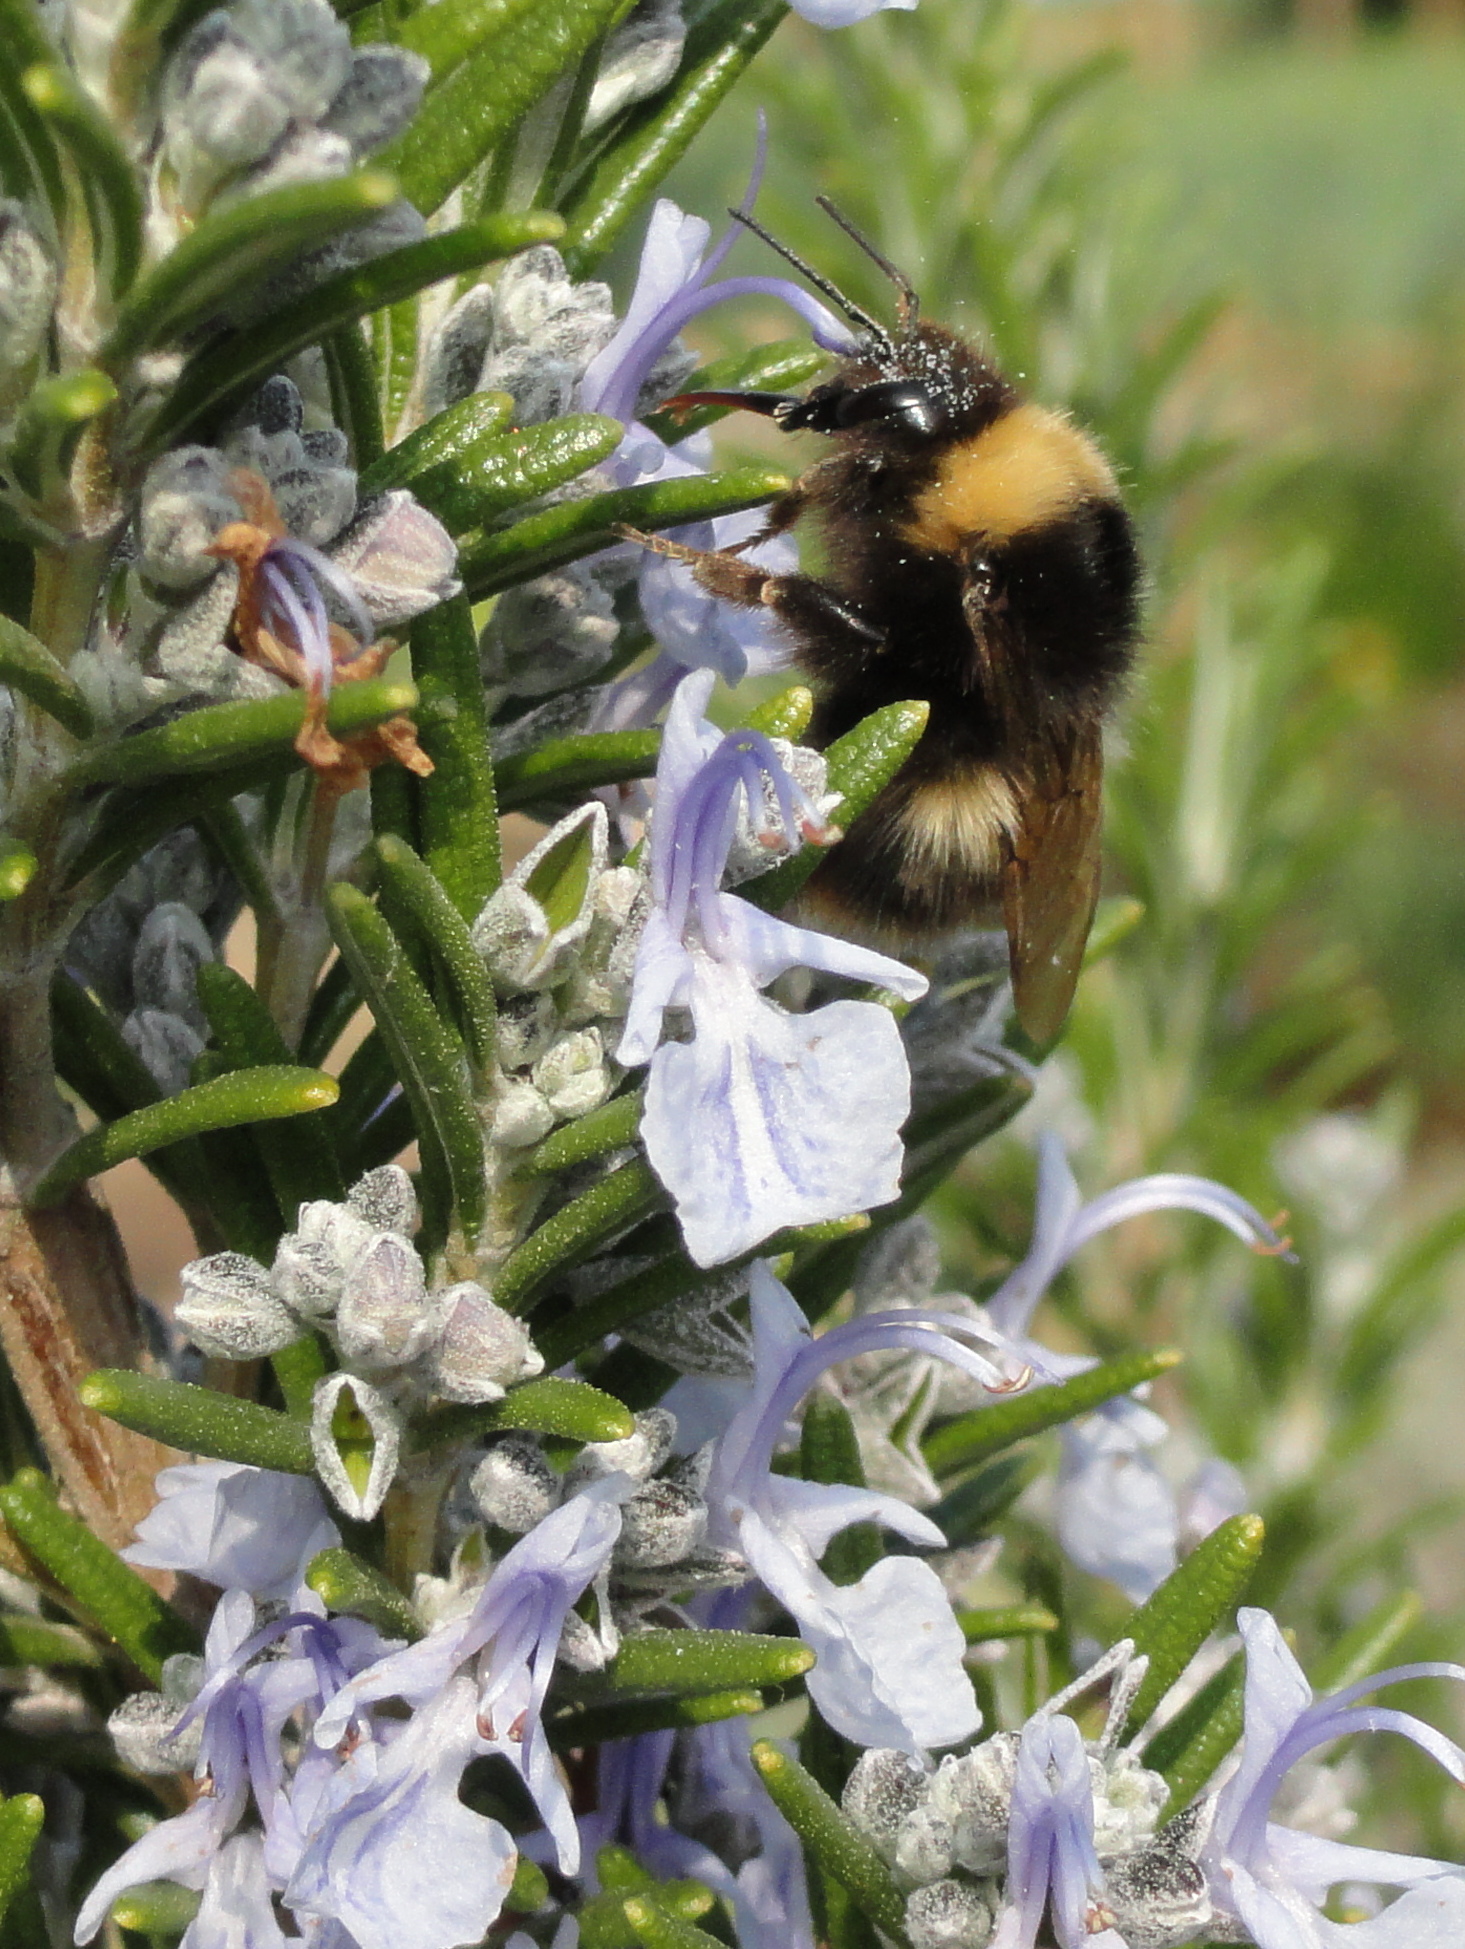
[(345, 1583), (486, 93), (563, 533), (701, 1662), (611, 1127), (50, 423), (457, 820), (21, 1819), (230, 365), (444, 932), (571, 1410), (832, 1841), (1366, 1645), (109, 182), (246, 1096), (565, 767), (156, 1909), (1194, 1743), (425, 461), (429, 1065), (1006, 1621), (231, 734), (201, 1421), (861, 764), (444, 35), (601, 1722), (785, 716), (656, 1928), (26, 1640), (1171, 1626), (972, 1438), (717, 52), (238, 249), (615, 1202), (491, 476), (28, 666), (108, 1590)]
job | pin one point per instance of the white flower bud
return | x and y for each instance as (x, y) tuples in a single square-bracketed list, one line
[(384, 1317), (1157, 1896), (386, 1200), (520, 1116), (949, 1915), (638, 1455), (338, 1229), (480, 1350), (142, 1731), (547, 330), (574, 1076), (884, 1787), (660, 1525), (401, 559), (456, 351), (514, 1486), (229, 1308), (355, 1436), (527, 1026), (1128, 1801)]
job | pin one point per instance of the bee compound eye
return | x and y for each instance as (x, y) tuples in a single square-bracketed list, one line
[(903, 404)]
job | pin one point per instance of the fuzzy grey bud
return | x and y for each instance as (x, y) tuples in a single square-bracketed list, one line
[(172, 946), (313, 487), (550, 633), (355, 1436), (527, 1025), (457, 349), (1157, 1896), (379, 97), (899, 1266), (27, 292), (514, 1486), (480, 1349), (386, 1200), (949, 1915), (165, 1044), (1128, 1801), (884, 1787), (400, 558), (641, 56), (142, 1731), (660, 1525), (229, 1308), (639, 1455), (547, 330), (573, 1076), (384, 1317), (342, 1232), (184, 502)]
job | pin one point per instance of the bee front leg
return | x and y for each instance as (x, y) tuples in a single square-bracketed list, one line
[(716, 570), (813, 611)]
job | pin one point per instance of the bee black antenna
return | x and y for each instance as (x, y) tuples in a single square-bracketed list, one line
[(910, 304), (820, 283)]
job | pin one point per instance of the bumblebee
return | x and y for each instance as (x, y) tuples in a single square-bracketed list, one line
[(977, 557)]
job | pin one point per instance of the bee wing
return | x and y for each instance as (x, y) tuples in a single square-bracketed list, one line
[(1050, 881)]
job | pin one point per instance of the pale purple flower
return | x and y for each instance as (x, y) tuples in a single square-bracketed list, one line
[(239, 1527), (890, 1651), (237, 1910), (1118, 1516), (1274, 1879), (507, 1644), (244, 1704), (394, 1856), (764, 1119), (1051, 1861)]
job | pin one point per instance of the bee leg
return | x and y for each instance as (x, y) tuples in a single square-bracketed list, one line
[(818, 614), (718, 571)]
